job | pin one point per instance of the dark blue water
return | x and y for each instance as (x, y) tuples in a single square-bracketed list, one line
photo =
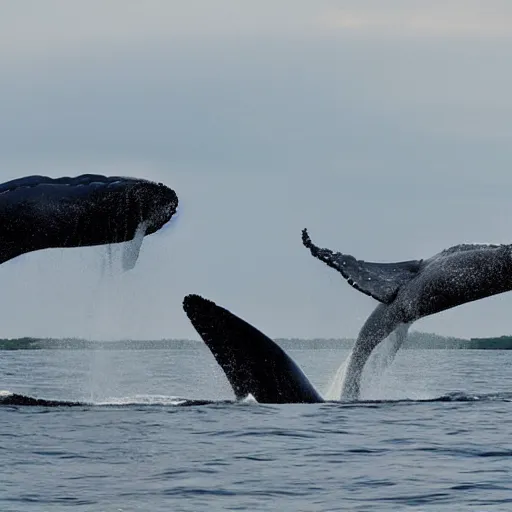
[(132, 449)]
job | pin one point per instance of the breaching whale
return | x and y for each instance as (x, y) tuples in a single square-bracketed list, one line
[(253, 363), (38, 212), (410, 290)]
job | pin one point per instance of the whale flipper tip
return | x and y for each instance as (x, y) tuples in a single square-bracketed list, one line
[(189, 299), (193, 301), (378, 280), (306, 240)]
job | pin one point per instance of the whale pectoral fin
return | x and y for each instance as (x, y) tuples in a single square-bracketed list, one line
[(252, 362), (378, 280)]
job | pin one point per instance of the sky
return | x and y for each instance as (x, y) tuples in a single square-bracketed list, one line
[(384, 128)]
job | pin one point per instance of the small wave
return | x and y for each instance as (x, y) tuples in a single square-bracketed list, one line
[(456, 396), (8, 398), (16, 399)]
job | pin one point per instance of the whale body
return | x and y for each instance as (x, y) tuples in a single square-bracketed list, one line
[(410, 290), (39, 212)]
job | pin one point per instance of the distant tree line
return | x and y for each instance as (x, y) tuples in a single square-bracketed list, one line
[(415, 340)]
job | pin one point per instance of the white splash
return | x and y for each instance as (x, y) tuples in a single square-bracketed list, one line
[(4, 392), (381, 359), (374, 369), (131, 249), (107, 261), (335, 386)]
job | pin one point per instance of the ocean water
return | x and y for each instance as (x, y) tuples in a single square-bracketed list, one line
[(434, 432)]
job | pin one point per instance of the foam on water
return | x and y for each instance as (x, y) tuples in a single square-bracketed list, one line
[(142, 400)]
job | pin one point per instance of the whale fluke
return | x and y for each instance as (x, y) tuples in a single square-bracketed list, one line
[(378, 280), (252, 362)]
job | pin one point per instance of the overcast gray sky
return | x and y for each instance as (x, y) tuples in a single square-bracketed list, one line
[(383, 127)]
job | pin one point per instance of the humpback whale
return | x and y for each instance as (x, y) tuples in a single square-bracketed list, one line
[(410, 290), (253, 363), (38, 212)]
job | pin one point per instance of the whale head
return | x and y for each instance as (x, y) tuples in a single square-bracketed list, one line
[(153, 203)]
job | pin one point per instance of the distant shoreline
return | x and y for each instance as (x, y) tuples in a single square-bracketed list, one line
[(416, 340)]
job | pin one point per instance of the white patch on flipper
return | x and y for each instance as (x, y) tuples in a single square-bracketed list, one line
[(131, 249)]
